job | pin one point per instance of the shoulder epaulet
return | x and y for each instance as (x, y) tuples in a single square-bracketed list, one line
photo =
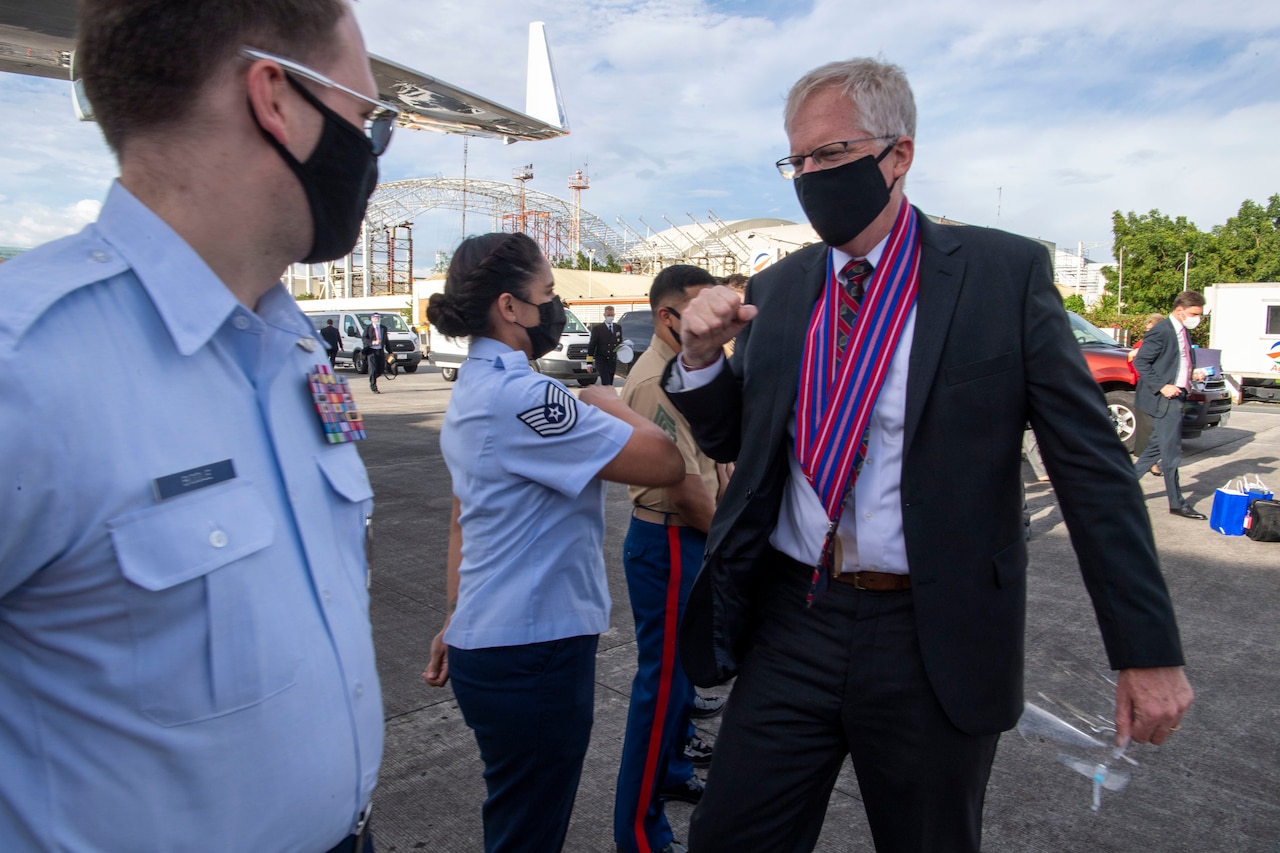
[(34, 281)]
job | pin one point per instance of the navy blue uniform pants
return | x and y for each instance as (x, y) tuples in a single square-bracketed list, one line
[(843, 678), (531, 709), (660, 563)]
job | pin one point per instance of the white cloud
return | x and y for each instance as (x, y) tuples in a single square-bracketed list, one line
[(25, 224)]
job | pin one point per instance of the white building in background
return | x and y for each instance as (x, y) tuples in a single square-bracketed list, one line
[(1075, 274)]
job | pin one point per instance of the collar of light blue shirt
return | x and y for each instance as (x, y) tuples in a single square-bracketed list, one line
[(494, 350), (192, 301)]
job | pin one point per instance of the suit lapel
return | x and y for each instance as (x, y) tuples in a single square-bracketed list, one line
[(785, 349), (941, 278)]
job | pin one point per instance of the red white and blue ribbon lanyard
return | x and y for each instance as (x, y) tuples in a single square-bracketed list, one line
[(838, 391)]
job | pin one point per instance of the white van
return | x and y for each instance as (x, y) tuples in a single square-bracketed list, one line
[(567, 362), (401, 341)]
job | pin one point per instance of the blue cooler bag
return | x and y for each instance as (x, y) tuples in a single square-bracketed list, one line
[(1231, 505)]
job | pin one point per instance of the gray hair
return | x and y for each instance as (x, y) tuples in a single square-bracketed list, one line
[(879, 90)]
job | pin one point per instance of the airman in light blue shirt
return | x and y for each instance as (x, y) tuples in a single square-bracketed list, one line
[(186, 659), (524, 455)]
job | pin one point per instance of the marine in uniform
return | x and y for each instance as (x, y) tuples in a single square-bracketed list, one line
[(661, 556)]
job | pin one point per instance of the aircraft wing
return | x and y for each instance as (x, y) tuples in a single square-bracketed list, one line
[(37, 37)]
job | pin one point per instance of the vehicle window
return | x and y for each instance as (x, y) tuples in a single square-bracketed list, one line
[(1087, 333), (634, 322), (393, 322), (572, 323), (319, 320)]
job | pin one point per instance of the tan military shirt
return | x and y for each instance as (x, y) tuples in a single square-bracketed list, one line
[(643, 393)]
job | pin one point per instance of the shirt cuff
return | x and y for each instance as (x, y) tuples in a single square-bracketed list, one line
[(683, 379)]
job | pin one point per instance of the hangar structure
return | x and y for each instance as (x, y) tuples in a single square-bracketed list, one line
[(381, 263)]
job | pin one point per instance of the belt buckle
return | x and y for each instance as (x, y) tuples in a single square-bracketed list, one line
[(362, 827), (857, 580)]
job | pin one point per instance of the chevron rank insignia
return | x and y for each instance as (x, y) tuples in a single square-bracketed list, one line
[(556, 416)]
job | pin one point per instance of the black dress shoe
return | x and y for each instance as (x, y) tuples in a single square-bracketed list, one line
[(698, 753), (705, 707), (1187, 512), (689, 791)]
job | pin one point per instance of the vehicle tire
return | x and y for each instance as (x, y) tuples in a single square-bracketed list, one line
[(359, 362), (1133, 426), (410, 368), (449, 374)]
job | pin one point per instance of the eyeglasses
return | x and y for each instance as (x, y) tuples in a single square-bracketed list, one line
[(377, 126), (824, 157)]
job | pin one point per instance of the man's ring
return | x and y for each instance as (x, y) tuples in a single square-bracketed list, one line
[(1175, 728)]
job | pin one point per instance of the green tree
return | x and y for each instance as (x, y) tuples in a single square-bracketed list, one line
[(1153, 249), (1248, 245)]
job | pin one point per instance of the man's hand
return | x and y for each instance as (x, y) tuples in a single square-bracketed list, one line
[(1200, 374), (710, 320), (1171, 391), (598, 395), (1150, 703), (437, 671)]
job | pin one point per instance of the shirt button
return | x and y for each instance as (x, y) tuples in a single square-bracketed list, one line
[(99, 256), (327, 596), (241, 322), (218, 539), (359, 691), (867, 516)]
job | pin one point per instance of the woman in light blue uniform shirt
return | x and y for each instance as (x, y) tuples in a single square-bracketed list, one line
[(526, 590)]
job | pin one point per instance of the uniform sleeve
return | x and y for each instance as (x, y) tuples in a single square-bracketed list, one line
[(545, 435), (647, 399)]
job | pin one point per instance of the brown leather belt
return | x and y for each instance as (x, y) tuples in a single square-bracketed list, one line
[(875, 581), (667, 519)]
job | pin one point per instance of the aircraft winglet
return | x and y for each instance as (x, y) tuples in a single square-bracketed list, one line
[(542, 92)]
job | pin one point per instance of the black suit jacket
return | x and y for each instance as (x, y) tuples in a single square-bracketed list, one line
[(1157, 366), (332, 337), (992, 349), (367, 337), (603, 346)]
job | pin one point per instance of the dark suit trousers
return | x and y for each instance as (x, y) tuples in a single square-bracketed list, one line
[(1165, 447), (605, 369), (841, 678)]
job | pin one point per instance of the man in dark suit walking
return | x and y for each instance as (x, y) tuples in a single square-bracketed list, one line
[(866, 569), (606, 337), (1165, 368), (376, 348), (332, 342)]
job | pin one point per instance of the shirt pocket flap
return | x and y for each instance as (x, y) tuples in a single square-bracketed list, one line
[(165, 545), (346, 475)]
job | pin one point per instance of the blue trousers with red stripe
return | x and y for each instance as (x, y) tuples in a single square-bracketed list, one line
[(660, 563)]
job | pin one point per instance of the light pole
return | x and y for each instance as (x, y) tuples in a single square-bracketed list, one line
[(591, 257)]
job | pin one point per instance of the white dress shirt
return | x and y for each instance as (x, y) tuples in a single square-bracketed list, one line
[(871, 524)]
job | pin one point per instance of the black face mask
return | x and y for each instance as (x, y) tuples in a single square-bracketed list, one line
[(674, 313), (841, 202), (338, 178), (551, 321)]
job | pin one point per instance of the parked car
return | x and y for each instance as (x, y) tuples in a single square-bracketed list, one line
[(566, 362), (1208, 403), (637, 331)]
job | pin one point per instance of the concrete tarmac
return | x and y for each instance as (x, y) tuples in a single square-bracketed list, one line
[(1214, 788)]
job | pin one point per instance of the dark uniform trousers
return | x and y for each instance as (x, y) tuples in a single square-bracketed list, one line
[(844, 677)]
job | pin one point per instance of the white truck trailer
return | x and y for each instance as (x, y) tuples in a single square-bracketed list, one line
[(1245, 326)]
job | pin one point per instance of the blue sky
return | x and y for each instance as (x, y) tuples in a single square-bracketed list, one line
[(1041, 118)]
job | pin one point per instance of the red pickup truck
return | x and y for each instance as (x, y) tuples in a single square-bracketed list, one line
[(1208, 403)]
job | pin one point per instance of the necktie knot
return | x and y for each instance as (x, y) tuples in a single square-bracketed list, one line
[(855, 274)]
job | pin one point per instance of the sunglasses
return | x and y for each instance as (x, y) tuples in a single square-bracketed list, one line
[(377, 127)]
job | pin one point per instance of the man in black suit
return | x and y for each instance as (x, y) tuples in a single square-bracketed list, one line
[(881, 614), (606, 337), (376, 347), (332, 342), (1165, 369)]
